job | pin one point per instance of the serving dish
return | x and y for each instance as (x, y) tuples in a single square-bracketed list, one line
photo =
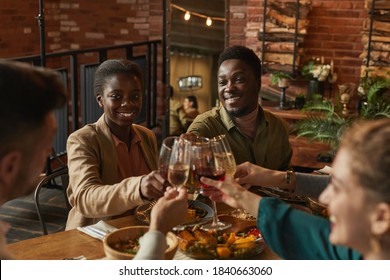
[(317, 207), (242, 241), (117, 246), (279, 193), (198, 212)]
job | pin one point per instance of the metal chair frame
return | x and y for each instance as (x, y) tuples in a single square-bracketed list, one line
[(49, 182)]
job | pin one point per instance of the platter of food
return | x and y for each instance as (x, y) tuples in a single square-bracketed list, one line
[(279, 193), (232, 243), (318, 208), (197, 212)]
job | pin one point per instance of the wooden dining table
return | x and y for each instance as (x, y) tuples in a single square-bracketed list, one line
[(72, 244)]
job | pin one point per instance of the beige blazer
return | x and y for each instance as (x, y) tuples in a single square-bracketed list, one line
[(94, 190)]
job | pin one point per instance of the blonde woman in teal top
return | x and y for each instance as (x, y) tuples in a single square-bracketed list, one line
[(358, 198)]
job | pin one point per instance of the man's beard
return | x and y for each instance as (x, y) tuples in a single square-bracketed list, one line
[(239, 112)]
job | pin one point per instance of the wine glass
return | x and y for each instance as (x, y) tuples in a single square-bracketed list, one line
[(165, 156), (179, 163), (192, 185), (206, 165), (224, 155)]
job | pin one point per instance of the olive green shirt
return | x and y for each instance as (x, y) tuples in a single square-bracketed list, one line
[(270, 148)]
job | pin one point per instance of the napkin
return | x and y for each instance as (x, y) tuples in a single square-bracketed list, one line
[(98, 230), (326, 170)]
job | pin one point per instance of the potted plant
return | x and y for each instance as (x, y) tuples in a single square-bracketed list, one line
[(281, 78), (326, 123)]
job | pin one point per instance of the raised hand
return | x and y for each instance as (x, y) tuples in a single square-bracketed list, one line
[(152, 185), (234, 195), (170, 210)]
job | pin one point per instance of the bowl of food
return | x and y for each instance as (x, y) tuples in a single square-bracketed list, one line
[(201, 244), (123, 243)]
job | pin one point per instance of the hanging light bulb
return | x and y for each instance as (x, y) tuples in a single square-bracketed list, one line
[(209, 21), (187, 15)]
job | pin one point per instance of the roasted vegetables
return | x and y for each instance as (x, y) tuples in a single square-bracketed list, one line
[(200, 244), (127, 246)]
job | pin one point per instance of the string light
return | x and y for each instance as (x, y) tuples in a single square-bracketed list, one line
[(209, 22), (188, 14)]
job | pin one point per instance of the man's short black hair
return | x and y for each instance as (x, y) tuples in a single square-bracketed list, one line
[(242, 53)]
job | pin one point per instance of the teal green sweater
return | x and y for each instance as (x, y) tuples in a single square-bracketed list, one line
[(294, 234)]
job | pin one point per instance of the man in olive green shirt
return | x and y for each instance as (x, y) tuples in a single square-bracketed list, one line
[(254, 134)]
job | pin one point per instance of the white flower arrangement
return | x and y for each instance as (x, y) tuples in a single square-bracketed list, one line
[(320, 72), (316, 69)]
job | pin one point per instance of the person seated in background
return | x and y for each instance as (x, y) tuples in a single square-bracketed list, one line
[(254, 134), (358, 199), (190, 106), (304, 184), (177, 116), (112, 162), (169, 211), (29, 95)]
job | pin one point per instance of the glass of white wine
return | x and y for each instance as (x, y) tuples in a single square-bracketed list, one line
[(179, 162), (223, 153), (192, 185), (165, 157)]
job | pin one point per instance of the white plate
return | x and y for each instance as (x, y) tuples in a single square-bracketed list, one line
[(142, 212)]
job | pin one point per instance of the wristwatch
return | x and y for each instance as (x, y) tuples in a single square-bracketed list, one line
[(287, 177)]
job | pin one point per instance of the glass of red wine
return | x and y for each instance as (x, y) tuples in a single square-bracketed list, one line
[(206, 165)]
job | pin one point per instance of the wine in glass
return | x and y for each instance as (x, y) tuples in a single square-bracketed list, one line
[(165, 156), (179, 163), (206, 165), (192, 185), (224, 155)]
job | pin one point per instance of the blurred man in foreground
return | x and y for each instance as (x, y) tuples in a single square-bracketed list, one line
[(27, 124)]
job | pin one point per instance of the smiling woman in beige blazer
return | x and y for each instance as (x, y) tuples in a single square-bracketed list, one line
[(111, 162)]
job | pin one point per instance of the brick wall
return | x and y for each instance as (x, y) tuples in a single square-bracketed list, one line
[(77, 24), (334, 33)]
